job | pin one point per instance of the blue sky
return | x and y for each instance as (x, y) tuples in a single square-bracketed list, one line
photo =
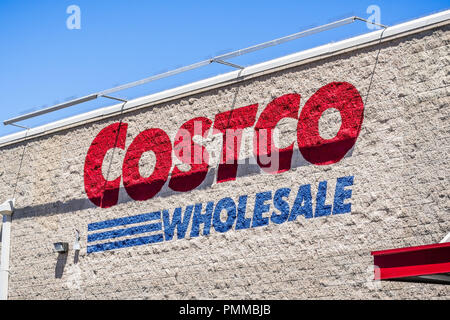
[(43, 63)]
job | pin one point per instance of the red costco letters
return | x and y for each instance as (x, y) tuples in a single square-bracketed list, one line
[(339, 95)]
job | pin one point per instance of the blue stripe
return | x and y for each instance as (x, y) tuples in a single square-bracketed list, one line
[(125, 243), (123, 221), (124, 232)]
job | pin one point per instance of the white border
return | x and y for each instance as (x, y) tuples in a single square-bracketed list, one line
[(223, 78)]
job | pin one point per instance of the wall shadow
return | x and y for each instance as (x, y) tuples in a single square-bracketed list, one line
[(60, 264), (76, 257)]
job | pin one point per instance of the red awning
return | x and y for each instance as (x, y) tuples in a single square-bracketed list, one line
[(428, 263)]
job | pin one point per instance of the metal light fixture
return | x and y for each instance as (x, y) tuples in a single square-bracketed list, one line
[(76, 244), (61, 247), (7, 207)]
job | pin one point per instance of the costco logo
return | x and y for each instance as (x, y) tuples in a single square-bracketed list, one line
[(172, 157)]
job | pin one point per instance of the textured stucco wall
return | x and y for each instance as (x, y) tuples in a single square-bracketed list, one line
[(400, 195)]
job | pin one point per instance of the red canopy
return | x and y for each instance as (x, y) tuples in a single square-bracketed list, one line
[(428, 263)]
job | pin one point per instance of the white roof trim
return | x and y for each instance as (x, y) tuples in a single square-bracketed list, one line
[(224, 78)]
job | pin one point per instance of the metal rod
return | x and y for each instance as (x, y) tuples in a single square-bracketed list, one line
[(155, 77), (19, 126), (377, 24), (286, 39), (113, 98), (228, 63), (51, 109), (218, 59)]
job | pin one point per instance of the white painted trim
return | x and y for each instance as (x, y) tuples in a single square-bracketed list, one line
[(233, 76)]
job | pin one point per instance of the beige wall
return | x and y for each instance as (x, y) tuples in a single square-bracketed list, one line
[(400, 196)]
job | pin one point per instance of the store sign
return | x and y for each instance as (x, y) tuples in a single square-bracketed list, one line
[(224, 215), (316, 150)]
